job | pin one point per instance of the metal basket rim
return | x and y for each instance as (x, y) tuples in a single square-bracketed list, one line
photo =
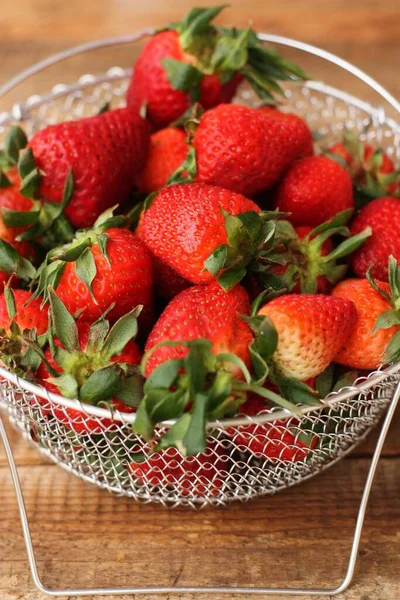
[(363, 383)]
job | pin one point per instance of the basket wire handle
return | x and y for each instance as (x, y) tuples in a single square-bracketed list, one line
[(201, 589)]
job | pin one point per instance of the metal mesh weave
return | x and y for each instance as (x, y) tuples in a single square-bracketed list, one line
[(242, 461)]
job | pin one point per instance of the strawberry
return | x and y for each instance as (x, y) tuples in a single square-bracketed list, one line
[(246, 150), (203, 231), (91, 363), (101, 267), (200, 475), (22, 319), (297, 127), (29, 313), (202, 312), (310, 258), (377, 323), (104, 153), (314, 190), (372, 171), (311, 329), (167, 150), (193, 60), (168, 282), (383, 217), (277, 440)]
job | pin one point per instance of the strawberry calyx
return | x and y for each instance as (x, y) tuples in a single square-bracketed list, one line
[(305, 259), (45, 221), (203, 386), (227, 52), (87, 372), (78, 251), (251, 247), (372, 172), (18, 347), (15, 141), (12, 263), (391, 317)]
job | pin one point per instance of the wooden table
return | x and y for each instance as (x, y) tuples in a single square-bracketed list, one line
[(85, 536)]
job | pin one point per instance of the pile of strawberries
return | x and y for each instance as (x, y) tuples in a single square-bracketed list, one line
[(192, 259)]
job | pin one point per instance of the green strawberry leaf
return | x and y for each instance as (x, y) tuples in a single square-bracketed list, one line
[(97, 334), (86, 270), (67, 385), (348, 246), (386, 320), (296, 391), (189, 166), (324, 381), (124, 330), (232, 277), (195, 439), (15, 141), (19, 218), (170, 406), (102, 384), (216, 261), (183, 76), (62, 323), (392, 350), (102, 240), (196, 23), (337, 221), (131, 391), (4, 181), (10, 302), (164, 375), (142, 424), (11, 262), (173, 438), (31, 175)]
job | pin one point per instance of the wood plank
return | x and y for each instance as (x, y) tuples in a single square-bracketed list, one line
[(86, 536)]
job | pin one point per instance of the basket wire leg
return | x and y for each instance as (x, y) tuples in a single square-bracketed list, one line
[(229, 590)]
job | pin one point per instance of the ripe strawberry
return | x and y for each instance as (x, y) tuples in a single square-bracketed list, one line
[(168, 149), (312, 329), (202, 312), (10, 196), (277, 440), (27, 316), (383, 217), (102, 267), (366, 346), (314, 190), (247, 150), (104, 152), (168, 283), (302, 135), (310, 258), (193, 60), (91, 363), (372, 171), (202, 231), (200, 475)]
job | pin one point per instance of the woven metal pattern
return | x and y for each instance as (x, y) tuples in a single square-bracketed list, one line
[(242, 461)]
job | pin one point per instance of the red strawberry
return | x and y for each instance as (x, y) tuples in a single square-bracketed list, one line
[(193, 60), (277, 440), (314, 190), (101, 267), (383, 217), (372, 171), (168, 149), (10, 196), (95, 368), (200, 475), (168, 282), (311, 265), (28, 316), (104, 152), (185, 224), (312, 329), (365, 349), (302, 135), (203, 312), (247, 150)]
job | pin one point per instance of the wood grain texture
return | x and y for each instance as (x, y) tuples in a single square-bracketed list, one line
[(87, 537)]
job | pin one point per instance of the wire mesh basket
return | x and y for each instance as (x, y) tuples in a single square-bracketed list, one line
[(246, 457)]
